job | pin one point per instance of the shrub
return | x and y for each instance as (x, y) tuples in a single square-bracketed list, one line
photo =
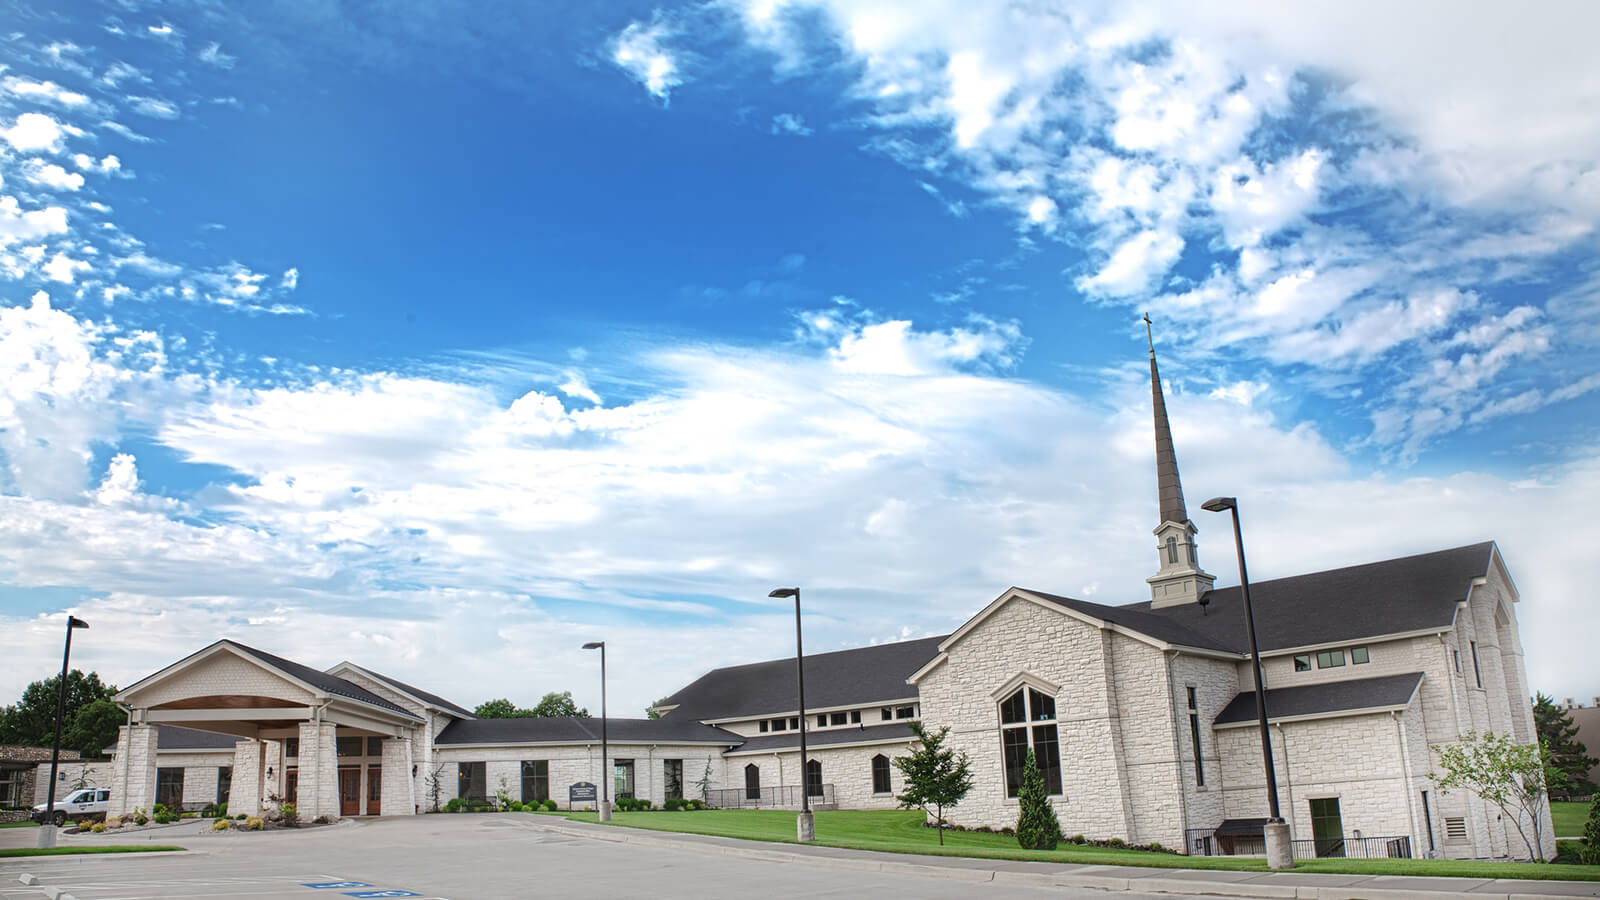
[(324, 820), (1037, 827), (141, 820), (1590, 853), (697, 803), (222, 825), (642, 804), (291, 816), (161, 809), (550, 804), (455, 805), (1076, 839), (255, 823), (98, 827), (515, 806), (674, 804), (240, 817)]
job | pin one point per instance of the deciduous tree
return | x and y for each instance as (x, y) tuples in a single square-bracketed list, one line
[(1510, 775), (935, 775), (88, 726)]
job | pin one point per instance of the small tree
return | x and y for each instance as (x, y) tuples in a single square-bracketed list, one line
[(1037, 826), (435, 783), (1510, 775), (934, 774), (704, 784), (1590, 852)]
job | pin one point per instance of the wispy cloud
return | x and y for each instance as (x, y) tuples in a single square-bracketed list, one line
[(640, 50)]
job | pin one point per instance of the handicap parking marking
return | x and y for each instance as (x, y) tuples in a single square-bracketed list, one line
[(324, 885), (381, 894)]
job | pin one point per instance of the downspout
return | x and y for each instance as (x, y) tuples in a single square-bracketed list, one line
[(1177, 750), (1405, 771)]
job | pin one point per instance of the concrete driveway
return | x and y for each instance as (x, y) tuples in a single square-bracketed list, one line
[(481, 857)]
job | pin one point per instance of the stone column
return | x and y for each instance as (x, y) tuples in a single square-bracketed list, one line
[(396, 797), (318, 790), (244, 796), (133, 775)]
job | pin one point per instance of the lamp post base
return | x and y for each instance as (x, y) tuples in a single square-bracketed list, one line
[(1280, 852), (605, 812), (805, 828), (47, 836)]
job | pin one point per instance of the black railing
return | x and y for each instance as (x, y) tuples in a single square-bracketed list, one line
[(1206, 842), (785, 796), (1354, 848)]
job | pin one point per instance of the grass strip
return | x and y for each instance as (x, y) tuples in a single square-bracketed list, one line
[(75, 851), (20, 825), (901, 831), (1569, 817)]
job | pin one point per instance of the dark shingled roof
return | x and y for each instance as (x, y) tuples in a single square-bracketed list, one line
[(1411, 593), (1326, 697), (424, 696), (791, 740), (571, 730), (176, 737), (840, 678), (322, 681)]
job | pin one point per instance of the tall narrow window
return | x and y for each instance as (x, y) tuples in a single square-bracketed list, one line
[(1172, 549), (169, 787), (1457, 655), (672, 778), (1427, 820), (622, 778), (472, 781), (224, 784), (752, 782), (1194, 734), (814, 778), (535, 780), (880, 774), (1477, 673), (1028, 718)]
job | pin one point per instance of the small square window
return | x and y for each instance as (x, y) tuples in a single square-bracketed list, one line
[(374, 746), (763, 726), (1358, 656), (1330, 659), (855, 717), (904, 712), (1302, 662), (822, 721), (889, 713), (794, 724), (839, 718), (291, 747)]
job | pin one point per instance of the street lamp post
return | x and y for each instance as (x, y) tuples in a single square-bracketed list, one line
[(605, 757), (47, 831), (805, 825), (1280, 854)]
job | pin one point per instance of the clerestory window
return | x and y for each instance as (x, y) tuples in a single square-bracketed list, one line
[(1028, 719)]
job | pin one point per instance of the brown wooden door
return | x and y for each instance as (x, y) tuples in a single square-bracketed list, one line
[(350, 792), (374, 790)]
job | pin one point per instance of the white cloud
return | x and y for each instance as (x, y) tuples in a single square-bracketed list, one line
[(291, 279), (212, 54), (790, 123), (577, 387), (33, 132), (43, 92), (17, 224), (639, 50), (154, 107), (64, 268), (53, 176), (1136, 266)]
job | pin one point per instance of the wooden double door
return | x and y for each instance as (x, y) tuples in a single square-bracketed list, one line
[(350, 801)]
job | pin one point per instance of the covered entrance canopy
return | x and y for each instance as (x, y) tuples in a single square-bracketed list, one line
[(301, 731)]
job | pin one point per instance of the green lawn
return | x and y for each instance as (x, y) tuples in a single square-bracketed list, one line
[(73, 851), (901, 831), (20, 825), (1569, 818)]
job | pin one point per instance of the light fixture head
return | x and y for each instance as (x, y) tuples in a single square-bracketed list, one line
[(784, 592), (75, 622), (594, 645), (1218, 504)]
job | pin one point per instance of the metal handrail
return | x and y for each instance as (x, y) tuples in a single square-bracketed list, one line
[(767, 797)]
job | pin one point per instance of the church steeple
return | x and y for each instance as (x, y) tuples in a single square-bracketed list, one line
[(1180, 578)]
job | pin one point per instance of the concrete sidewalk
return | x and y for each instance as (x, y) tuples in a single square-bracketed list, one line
[(1137, 879)]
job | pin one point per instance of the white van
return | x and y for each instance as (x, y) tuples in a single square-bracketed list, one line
[(76, 805)]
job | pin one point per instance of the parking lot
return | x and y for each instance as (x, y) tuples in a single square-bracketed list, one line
[(452, 858)]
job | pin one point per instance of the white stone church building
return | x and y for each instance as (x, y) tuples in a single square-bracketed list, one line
[(1142, 716)]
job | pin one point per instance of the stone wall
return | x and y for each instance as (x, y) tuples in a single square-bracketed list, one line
[(848, 769), (68, 776), (574, 763)]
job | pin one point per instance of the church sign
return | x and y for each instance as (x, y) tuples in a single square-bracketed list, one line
[(582, 792)]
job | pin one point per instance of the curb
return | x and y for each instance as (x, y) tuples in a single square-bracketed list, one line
[(1155, 884)]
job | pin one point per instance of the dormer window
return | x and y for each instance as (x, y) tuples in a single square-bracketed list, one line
[(1172, 549)]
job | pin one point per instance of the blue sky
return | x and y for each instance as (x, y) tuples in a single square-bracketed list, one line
[(445, 340)]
